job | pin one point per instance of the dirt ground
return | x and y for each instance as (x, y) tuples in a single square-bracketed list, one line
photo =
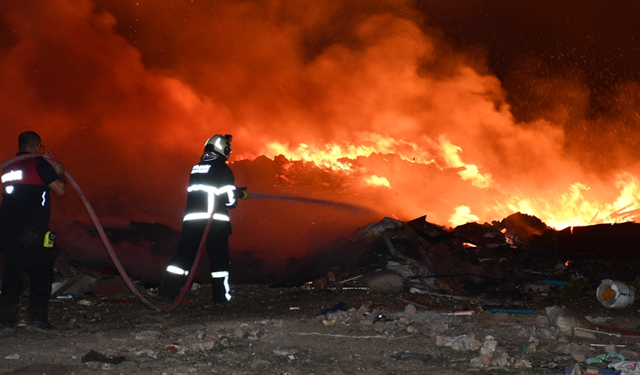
[(266, 330)]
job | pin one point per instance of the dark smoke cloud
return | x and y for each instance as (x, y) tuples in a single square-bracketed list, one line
[(569, 64), (538, 96), (574, 63)]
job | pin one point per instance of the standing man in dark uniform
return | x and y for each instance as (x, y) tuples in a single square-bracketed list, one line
[(25, 239), (211, 191)]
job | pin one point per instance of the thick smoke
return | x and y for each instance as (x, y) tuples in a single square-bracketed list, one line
[(126, 92)]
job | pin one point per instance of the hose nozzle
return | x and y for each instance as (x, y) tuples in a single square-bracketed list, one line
[(241, 193)]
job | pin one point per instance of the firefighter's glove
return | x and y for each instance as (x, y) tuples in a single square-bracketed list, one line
[(241, 193)]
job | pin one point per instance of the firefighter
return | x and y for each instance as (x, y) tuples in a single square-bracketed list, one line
[(211, 191), (25, 239)]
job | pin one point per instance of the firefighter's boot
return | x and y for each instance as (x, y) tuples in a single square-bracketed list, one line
[(220, 290), (171, 285)]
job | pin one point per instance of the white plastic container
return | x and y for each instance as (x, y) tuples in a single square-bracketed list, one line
[(615, 294)]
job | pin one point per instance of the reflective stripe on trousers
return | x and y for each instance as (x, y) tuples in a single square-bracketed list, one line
[(177, 271), (223, 275)]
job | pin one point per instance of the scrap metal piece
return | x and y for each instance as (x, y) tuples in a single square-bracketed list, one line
[(383, 282), (596, 331)]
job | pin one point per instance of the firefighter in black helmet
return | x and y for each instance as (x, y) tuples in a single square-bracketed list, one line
[(211, 192)]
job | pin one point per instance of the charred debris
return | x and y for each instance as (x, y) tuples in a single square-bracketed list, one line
[(506, 258)]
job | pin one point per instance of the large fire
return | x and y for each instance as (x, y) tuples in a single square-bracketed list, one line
[(563, 209), (406, 109)]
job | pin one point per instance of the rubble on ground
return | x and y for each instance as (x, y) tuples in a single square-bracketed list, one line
[(424, 298), (295, 330)]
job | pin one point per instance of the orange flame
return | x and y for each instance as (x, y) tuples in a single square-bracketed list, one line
[(462, 215), (378, 181), (332, 155), (471, 171), (560, 210), (336, 157), (572, 208)]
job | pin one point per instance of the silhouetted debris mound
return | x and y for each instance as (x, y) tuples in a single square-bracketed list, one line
[(521, 229), (502, 258)]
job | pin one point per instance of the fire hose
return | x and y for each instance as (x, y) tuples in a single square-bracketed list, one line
[(109, 248)]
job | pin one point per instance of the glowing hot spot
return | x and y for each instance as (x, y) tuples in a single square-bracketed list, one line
[(462, 215), (378, 181)]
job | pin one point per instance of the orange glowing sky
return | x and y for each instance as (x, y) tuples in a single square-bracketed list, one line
[(530, 108)]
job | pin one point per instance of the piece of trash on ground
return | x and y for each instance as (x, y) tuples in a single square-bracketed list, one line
[(567, 320), (94, 356)]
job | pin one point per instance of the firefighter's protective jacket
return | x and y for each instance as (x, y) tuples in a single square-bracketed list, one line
[(25, 191), (211, 187)]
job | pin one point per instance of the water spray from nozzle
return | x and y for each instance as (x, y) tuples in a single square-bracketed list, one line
[(335, 204)]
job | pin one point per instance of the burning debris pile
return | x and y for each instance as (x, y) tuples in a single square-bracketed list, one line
[(504, 258), (473, 258)]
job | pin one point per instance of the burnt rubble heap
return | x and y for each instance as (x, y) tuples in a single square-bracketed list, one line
[(500, 258)]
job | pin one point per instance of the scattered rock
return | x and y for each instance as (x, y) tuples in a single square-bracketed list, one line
[(148, 335), (481, 361), (203, 346), (522, 363), (410, 310), (147, 352), (489, 347), (238, 333), (462, 342), (403, 322), (501, 361)]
